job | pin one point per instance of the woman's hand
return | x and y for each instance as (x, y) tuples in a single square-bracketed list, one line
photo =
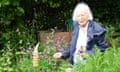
[(57, 55)]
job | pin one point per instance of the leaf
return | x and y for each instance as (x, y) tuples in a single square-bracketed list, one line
[(5, 2), (0, 5), (20, 9)]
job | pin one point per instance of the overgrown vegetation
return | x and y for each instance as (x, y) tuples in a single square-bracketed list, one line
[(20, 20), (21, 61), (109, 62)]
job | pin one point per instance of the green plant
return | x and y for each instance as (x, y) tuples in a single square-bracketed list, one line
[(109, 62), (51, 46), (111, 41), (6, 61)]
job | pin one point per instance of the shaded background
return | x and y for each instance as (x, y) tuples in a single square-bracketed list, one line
[(26, 17), (53, 13)]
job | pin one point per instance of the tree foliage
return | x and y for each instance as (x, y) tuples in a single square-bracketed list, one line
[(52, 13), (10, 12), (10, 17), (20, 19), (47, 14)]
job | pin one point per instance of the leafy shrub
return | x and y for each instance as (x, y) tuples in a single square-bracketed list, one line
[(109, 62)]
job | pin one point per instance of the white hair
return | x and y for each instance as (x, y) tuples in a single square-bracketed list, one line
[(82, 7)]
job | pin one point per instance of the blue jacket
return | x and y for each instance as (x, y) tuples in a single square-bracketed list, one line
[(95, 36)]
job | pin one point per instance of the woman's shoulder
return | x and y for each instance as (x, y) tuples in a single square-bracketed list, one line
[(97, 27)]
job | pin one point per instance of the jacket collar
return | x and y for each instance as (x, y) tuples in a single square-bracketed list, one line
[(90, 31), (94, 29)]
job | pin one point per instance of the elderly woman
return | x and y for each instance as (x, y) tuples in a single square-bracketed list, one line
[(85, 35)]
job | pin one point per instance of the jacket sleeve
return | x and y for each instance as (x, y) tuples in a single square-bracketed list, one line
[(66, 53), (99, 35), (101, 42)]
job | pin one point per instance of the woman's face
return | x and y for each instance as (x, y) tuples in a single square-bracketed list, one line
[(82, 18)]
